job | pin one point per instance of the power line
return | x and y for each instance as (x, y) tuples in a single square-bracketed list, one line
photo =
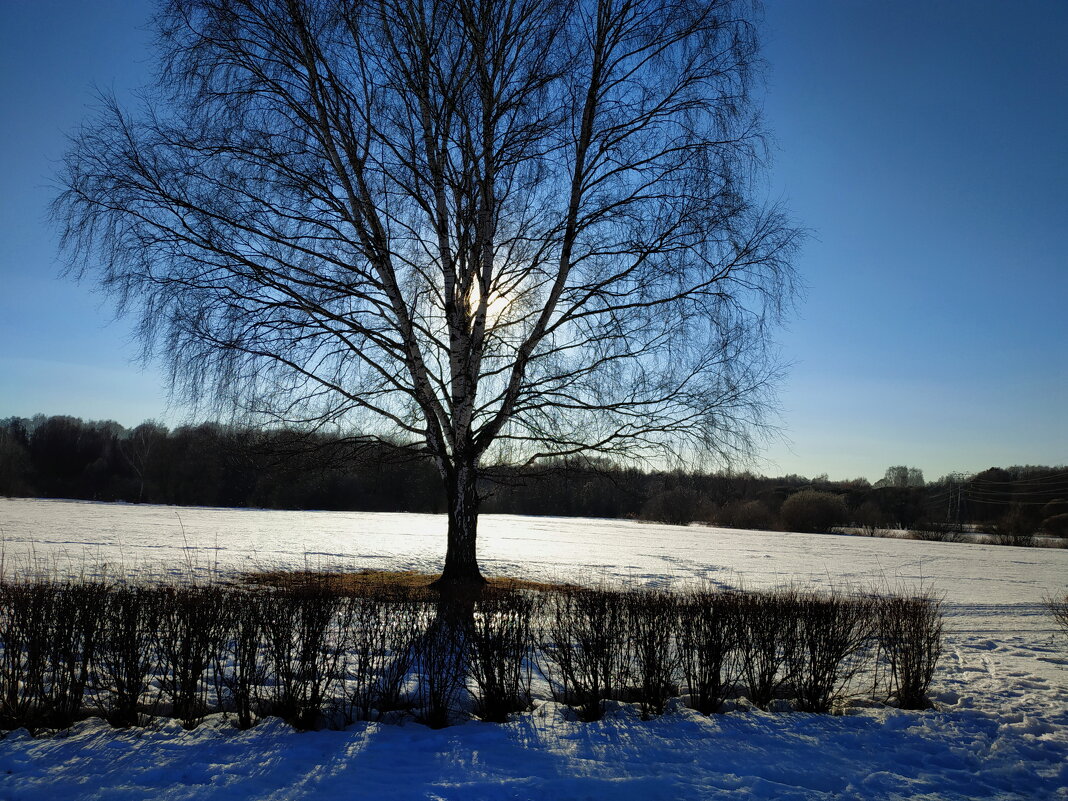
[(998, 493), (1018, 481)]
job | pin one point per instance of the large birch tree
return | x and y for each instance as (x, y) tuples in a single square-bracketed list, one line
[(498, 230)]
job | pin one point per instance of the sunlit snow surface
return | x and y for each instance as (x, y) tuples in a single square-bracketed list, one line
[(1000, 730)]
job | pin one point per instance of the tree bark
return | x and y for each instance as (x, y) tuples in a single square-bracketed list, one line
[(461, 560)]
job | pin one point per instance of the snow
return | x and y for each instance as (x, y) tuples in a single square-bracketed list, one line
[(999, 730), (542, 755)]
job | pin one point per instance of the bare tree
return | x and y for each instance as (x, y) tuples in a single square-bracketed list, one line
[(902, 476), (501, 230), (136, 449)]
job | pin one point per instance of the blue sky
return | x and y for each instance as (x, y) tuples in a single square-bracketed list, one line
[(923, 144)]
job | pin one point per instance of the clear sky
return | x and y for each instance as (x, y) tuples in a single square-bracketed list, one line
[(923, 142)]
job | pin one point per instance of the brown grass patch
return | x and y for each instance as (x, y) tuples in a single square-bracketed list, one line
[(381, 582)]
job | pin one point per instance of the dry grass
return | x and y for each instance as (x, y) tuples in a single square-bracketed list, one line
[(381, 582)]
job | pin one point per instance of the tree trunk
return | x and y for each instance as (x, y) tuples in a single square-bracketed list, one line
[(461, 561)]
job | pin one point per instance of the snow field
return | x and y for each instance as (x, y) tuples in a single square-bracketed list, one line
[(1000, 730)]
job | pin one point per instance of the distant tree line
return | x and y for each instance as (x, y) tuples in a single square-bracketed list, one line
[(217, 465), (207, 465)]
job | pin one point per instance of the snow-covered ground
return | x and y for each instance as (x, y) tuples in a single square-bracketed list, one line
[(1000, 729)]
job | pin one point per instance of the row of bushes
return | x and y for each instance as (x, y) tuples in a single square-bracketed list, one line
[(318, 657), (997, 535)]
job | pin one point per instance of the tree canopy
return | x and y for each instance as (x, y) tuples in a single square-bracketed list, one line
[(503, 230)]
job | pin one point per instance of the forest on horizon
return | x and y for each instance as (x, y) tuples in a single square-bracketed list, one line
[(216, 465)]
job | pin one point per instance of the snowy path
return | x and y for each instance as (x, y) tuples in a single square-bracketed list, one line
[(1000, 731)]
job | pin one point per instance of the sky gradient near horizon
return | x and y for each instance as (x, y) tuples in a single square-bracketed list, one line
[(922, 143)]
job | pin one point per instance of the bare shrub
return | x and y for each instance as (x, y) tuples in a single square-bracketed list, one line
[(304, 644), (365, 646), (910, 644), (25, 612), (77, 620), (241, 666), (812, 510), (1058, 608), (652, 620), (930, 531), (767, 640), (752, 514), (126, 657), (679, 507), (1055, 525), (189, 638), (833, 633), (870, 518), (1016, 527), (382, 629), (442, 660), (585, 659), (708, 632), (1017, 540), (501, 650), (48, 633)]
